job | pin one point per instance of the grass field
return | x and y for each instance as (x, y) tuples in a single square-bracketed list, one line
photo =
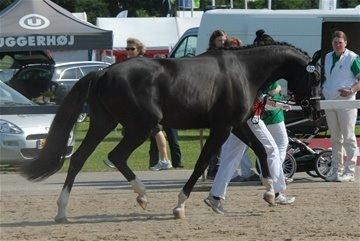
[(189, 141)]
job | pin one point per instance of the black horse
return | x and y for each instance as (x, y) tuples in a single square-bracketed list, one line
[(214, 90)]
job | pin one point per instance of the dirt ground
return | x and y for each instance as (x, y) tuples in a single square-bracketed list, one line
[(105, 209)]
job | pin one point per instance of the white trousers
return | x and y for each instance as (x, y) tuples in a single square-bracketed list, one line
[(232, 152), (279, 133), (245, 165), (341, 123)]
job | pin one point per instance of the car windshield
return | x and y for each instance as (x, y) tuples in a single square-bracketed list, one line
[(10, 97)]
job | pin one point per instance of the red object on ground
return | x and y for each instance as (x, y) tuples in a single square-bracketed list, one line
[(326, 143)]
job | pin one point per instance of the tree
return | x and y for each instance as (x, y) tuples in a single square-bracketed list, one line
[(5, 3), (348, 3), (93, 9), (147, 8)]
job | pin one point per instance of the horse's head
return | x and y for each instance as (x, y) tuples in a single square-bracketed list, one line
[(306, 86)]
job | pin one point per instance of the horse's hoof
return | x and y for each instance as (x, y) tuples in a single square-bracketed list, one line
[(142, 201), (179, 213), (269, 197), (61, 220)]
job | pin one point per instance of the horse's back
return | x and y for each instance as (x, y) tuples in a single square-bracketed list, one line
[(180, 93)]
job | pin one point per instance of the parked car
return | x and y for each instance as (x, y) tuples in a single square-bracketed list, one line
[(186, 45), (38, 73), (39, 77), (65, 75), (22, 136)]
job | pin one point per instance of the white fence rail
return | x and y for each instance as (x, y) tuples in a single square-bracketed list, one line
[(339, 104)]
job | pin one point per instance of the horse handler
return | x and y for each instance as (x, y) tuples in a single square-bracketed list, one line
[(233, 150)]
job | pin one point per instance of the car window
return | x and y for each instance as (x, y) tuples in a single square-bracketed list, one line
[(72, 73), (186, 48), (28, 74), (88, 69), (7, 74)]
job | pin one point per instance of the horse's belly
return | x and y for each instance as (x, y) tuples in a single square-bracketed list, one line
[(185, 121)]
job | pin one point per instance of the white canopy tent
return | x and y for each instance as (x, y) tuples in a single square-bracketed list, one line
[(155, 33)]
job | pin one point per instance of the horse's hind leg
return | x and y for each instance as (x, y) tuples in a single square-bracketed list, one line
[(215, 140), (134, 136), (96, 133)]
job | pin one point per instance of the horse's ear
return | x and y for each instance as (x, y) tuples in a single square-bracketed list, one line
[(315, 58)]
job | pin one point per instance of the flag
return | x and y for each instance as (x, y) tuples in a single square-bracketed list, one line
[(187, 4)]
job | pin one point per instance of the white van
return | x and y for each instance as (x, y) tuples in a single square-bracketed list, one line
[(186, 45), (309, 30)]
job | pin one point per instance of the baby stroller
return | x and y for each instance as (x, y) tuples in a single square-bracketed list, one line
[(316, 162)]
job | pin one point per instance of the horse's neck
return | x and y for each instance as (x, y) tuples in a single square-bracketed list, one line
[(277, 63)]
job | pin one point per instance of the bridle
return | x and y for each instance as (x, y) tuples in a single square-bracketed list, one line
[(313, 74)]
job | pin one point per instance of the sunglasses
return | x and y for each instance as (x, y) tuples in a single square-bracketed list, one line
[(130, 48)]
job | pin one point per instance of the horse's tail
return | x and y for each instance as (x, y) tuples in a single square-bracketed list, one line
[(51, 157)]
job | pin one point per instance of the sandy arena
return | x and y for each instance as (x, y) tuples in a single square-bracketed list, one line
[(102, 207)]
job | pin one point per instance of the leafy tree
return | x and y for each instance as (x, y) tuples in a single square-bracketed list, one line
[(145, 8), (93, 9), (5, 3), (348, 3), (284, 4), (67, 4), (293, 4)]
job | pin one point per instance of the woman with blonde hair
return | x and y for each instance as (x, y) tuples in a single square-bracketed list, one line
[(135, 48)]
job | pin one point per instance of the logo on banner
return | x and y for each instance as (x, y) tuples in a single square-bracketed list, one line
[(34, 21)]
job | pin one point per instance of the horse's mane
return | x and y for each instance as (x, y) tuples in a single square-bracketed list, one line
[(251, 46)]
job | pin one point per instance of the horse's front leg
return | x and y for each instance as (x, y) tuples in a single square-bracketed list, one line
[(134, 136), (215, 140)]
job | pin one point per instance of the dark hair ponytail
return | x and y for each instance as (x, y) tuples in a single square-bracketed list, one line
[(262, 38), (260, 32)]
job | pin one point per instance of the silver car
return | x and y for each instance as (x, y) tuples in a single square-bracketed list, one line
[(22, 136), (40, 74)]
